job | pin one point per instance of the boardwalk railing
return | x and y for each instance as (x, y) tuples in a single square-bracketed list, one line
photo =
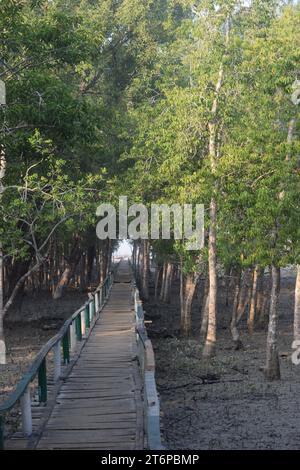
[(62, 344), (147, 366)]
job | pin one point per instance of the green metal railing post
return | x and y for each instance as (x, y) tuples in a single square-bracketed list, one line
[(100, 297), (2, 418), (42, 380), (66, 348), (78, 327), (94, 306), (87, 315)]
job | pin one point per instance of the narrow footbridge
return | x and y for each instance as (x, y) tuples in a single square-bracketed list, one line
[(92, 386)]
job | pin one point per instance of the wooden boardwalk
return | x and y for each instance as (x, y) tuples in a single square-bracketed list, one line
[(99, 405)]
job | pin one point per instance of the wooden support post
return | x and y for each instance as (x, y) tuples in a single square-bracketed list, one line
[(152, 420), (96, 302), (90, 311), (42, 380), (26, 412), (136, 300), (57, 361), (140, 316), (73, 336), (82, 318)]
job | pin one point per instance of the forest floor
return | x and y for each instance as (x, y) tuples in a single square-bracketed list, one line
[(222, 403), (225, 402), (31, 321)]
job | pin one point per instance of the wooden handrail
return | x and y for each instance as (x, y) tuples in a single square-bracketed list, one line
[(64, 337), (147, 366)]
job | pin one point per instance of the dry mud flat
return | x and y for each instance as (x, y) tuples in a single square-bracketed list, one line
[(226, 403), (29, 325), (31, 322)]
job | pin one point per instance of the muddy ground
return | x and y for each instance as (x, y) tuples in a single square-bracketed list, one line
[(222, 403), (225, 402), (30, 322)]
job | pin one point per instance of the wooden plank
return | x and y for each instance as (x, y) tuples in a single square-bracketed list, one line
[(78, 382), (94, 386), (88, 446), (90, 394), (93, 423), (84, 435), (104, 415), (99, 403), (102, 404)]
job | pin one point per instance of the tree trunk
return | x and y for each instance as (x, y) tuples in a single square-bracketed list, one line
[(2, 341), (109, 255), (69, 270), (139, 263), (17, 287), (188, 292), (209, 347), (166, 297), (163, 281), (227, 274), (245, 295), (253, 301), (134, 256), (181, 293), (260, 292), (53, 266), (103, 259), (2, 338), (18, 269), (297, 307), (265, 308), (145, 269), (82, 274), (233, 325), (272, 370), (157, 277), (91, 253), (204, 310)]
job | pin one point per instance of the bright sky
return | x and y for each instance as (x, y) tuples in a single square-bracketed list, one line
[(125, 249)]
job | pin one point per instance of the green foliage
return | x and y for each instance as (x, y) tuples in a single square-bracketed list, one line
[(257, 188), (108, 98)]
